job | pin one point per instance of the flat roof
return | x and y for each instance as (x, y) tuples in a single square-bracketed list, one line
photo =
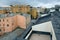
[(6, 15), (12, 35), (13, 14)]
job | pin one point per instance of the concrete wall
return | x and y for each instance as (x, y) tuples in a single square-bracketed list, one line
[(45, 27)]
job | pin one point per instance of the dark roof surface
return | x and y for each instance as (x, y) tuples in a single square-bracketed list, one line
[(54, 17)]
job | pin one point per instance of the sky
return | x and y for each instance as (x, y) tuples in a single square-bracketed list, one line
[(34, 3)]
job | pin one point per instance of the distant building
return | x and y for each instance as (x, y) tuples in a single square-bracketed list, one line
[(24, 8), (20, 8), (41, 9), (4, 10), (14, 9), (34, 13)]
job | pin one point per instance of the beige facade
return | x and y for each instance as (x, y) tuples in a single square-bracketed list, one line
[(1, 31), (34, 13), (9, 23), (42, 9), (14, 9), (2, 11), (24, 9), (21, 8)]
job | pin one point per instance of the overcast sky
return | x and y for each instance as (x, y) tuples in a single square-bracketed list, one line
[(35, 3)]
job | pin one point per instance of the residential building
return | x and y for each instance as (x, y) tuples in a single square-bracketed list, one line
[(11, 21)]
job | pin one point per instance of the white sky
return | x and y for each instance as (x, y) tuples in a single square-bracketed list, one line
[(35, 3)]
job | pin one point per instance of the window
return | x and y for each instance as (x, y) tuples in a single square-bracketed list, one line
[(0, 20), (28, 12), (3, 19), (7, 25), (7, 20), (12, 24), (0, 24), (0, 29), (20, 9), (3, 24)]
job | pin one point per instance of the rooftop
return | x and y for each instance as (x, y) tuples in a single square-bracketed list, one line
[(6, 15), (12, 14)]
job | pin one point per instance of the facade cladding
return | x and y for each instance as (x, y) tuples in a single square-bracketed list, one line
[(9, 22)]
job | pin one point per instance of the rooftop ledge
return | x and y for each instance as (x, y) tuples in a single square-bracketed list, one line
[(43, 27)]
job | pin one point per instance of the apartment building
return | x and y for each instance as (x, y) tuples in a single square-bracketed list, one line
[(20, 8), (14, 9), (24, 8), (9, 22), (4, 10), (34, 13)]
